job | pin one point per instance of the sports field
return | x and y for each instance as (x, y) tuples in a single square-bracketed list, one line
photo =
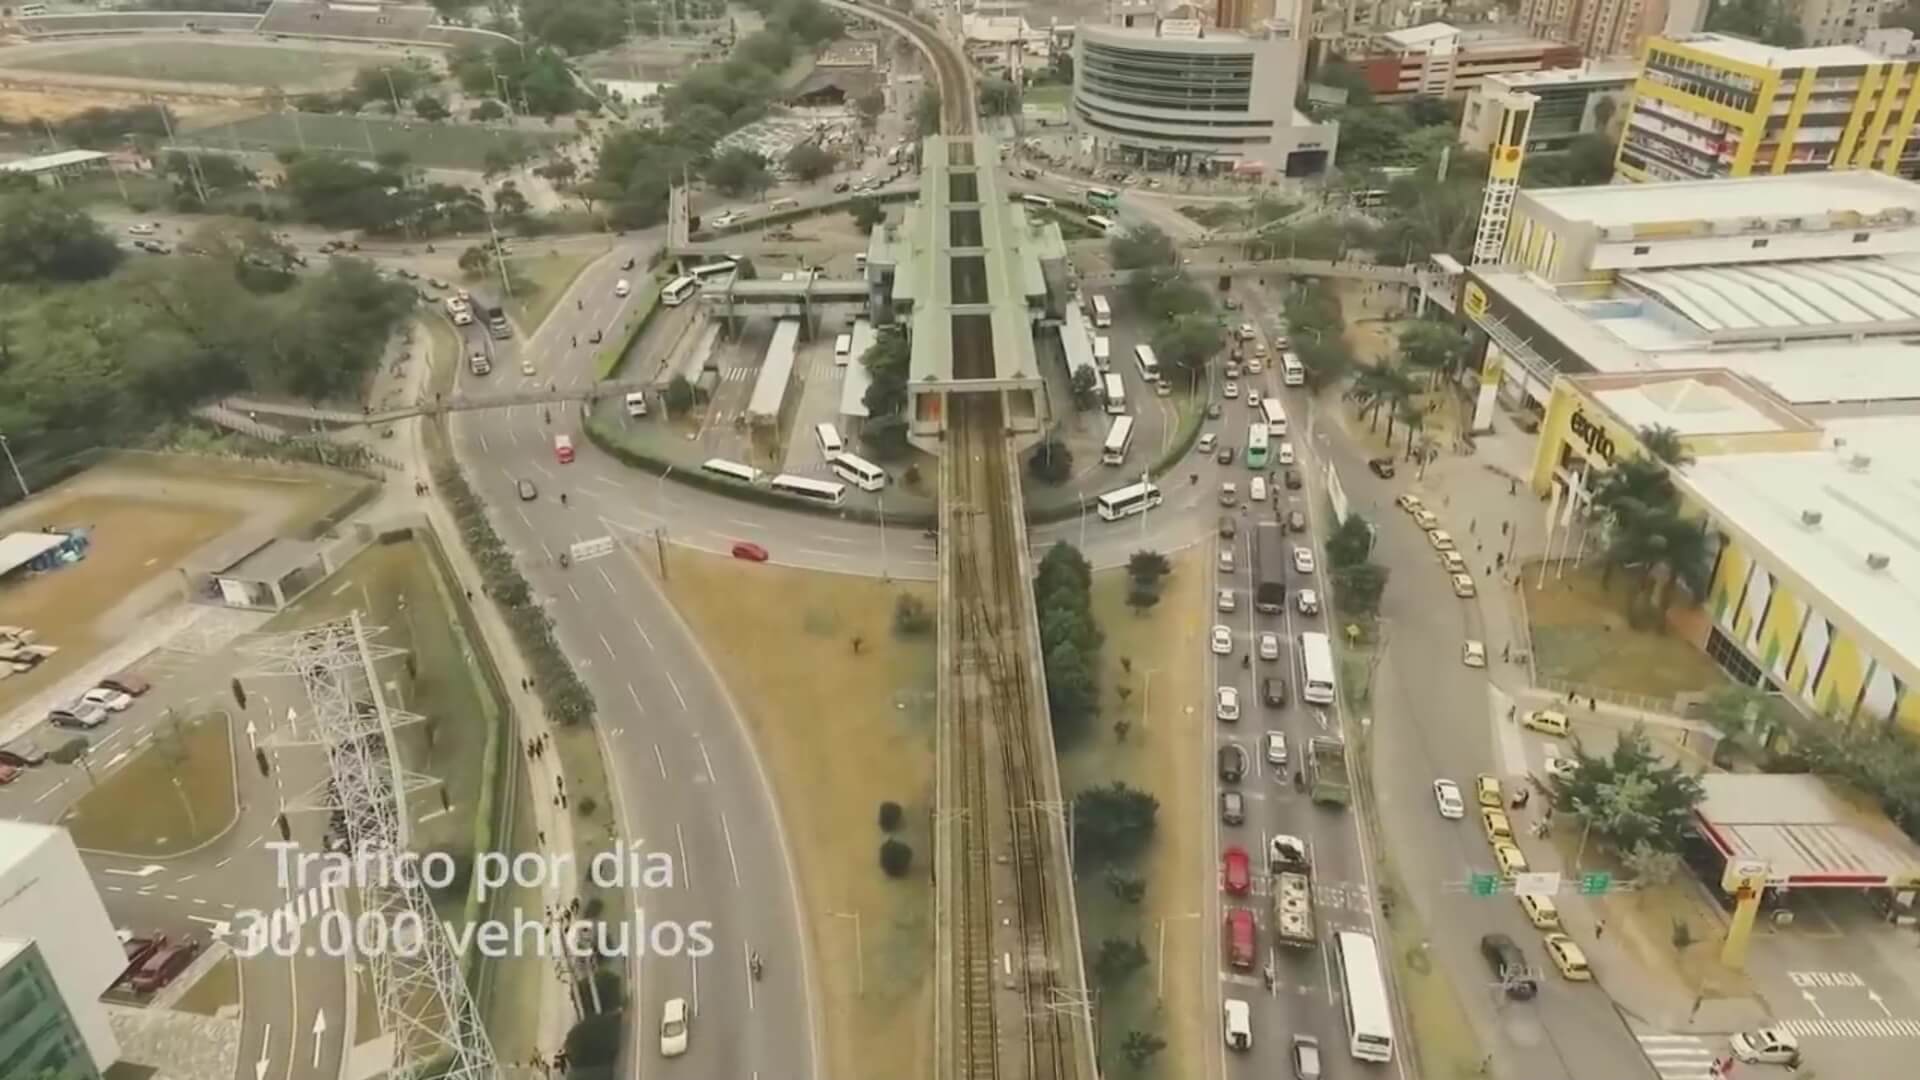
[(430, 146), (200, 61)]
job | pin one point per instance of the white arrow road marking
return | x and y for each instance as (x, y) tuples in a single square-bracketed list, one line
[(1808, 994), (319, 1028), (1874, 996), (146, 871), (266, 1054)]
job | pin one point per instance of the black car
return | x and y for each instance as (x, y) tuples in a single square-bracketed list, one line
[(1213, 410), (1227, 527), (1233, 763), (841, 187), (1293, 479), (1224, 456), (1509, 966), (1273, 691), (1381, 467), (1296, 521)]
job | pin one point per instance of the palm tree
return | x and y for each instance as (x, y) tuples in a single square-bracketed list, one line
[(1378, 385), (1412, 415), (1682, 558), (1663, 445), (1638, 480)]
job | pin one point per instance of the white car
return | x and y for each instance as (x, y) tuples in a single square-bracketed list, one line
[(1205, 445), (1226, 703), (1474, 654), (1446, 795), (526, 367), (1767, 1046), (1226, 602), (1286, 453), (1239, 1021), (1307, 601), (1231, 391), (622, 287), (1254, 366), (1410, 503), (143, 229), (1269, 646), (1222, 641), (673, 1028), (1276, 748), (110, 700), (1303, 560), (1226, 560), (1561, 768)]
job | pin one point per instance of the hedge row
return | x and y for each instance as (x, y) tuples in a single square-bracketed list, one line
[(567, 699)]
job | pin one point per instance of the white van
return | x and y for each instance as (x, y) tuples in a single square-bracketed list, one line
[(637, 403), (829, 439), (782, 204), (1257, 489), (842, 350), (1292, 372)]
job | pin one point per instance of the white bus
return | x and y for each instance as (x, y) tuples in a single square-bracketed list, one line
[(1276, 414), (858, 471), (1363, 997), (1148, 363), (732, 470), (1292, 371), (1316, 655), (1136, 499), (820, 491), (829, 440), (715, 269), (1106, 225), (679, 290), (1102, 352), (1119, 440), (1116, 393), (1037, 200), (1102, 313)]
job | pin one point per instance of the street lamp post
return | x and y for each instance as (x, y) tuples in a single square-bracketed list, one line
[(17, 478)]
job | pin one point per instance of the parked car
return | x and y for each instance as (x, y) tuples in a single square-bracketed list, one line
[(24, 754), (127, 683), (78, 715), (138, 948), (1226, 704), (1767, 1046), (1233, 808), (1222, 641), (1238, 1018), (108, 698), (163, 966), (1381, 467), (1568, 957), (1509, 966), (1233, 763), (673, 1028), (750, 551), (1236, 870)]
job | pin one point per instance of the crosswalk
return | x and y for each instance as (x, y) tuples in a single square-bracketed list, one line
[(1678, 1057), (1876, 1028)]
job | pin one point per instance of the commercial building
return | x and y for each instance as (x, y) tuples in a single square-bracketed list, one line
[(1568, 102), (1443, 60), (56, 169), (1770, 323), (1840, 22), (1162, 91), (1711, 105), (58, 955), (1611, 28)]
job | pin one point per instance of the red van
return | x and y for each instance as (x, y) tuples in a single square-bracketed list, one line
[(563, 449), (1240, 943)]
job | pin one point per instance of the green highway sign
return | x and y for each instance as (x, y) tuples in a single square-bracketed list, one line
[(1595, 882), (1484, 884)]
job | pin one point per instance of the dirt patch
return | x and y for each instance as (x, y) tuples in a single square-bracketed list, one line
[(1581, 635), (1163, 753), (21, 102), (867, 736)]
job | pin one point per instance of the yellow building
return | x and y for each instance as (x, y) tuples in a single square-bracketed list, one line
[(1711, 105), (1814, 528)]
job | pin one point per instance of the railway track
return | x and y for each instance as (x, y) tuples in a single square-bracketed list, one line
[(1006, 928)]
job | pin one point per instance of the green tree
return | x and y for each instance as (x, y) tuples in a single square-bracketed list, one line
[(1630, 797), (391, 82), (1141, 247), (870, 105), (1051, 462), (1112, 823), (739, 172), (1377, 388), (1770, 22), (509, 202), (1351, 542), (428, 107), (1664, 445), (488, 111), (1117, 960), (810, 161), (45, 237), (1086, 388), (1140, 1047), (926, 114), (1187, 342), (1360, 588), (867, 213), (1587, 160), (1148, 568), (1072, 697), (1432, 346), (679, 396), (998, 97)]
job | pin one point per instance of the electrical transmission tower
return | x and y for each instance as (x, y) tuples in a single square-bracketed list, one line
[(425, 1007)]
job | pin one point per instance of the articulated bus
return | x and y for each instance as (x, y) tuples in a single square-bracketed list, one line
[(1148, 363), (820, 491), (1276, 417), (1103, 198), (679, 290), (1363, 997), (1119, 439), (1256, 445), (1136, 499), (1316, 656)]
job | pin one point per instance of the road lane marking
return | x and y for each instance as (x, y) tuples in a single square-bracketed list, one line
[(611, 587), (604, 643), (728, 834), (223, 862), (643, 634), (635, 694), (817, 553), (661, 760), (49, 792), (685, 866), (746, 958), (709, 762), (747, 524), (676, 690), (577, 600)]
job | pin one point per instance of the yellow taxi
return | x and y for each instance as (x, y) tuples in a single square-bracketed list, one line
[(1486, 790), (1452, 562), (1568, 958), (1541, 911), (1496, 824), (1547, 721), (1512, 861), (1463, 586)]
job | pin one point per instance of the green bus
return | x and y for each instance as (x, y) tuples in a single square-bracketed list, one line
[(1103, 198)]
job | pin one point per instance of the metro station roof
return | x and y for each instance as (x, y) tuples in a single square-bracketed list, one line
[(1805, 832), (1825, 292)]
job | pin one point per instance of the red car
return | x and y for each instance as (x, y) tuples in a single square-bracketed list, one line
[(1241, 946), (138, 950), (127, 683), (8, 773), (163, 966), (1236, 871), (749, 551)]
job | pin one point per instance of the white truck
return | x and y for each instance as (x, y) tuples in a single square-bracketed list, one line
[(459, 310), (1288, 862)]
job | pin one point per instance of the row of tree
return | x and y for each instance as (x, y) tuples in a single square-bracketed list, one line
[(1070, 640), (1187, 326), (1646, 534), (885, 432), (94, 352)]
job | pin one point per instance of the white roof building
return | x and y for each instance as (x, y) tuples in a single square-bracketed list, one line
[(47, 898)]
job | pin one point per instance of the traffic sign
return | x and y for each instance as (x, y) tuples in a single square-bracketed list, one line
[(1595, 882), (1537, 883), (1484, 884), (591, 549)]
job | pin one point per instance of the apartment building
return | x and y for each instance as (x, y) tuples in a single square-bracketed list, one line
[(1443, 60), (1568, 103), (1612, 28), (1711, 105)]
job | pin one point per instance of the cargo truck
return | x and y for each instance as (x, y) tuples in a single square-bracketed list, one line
[(1269, 568), (497, 321), (1327, 781)]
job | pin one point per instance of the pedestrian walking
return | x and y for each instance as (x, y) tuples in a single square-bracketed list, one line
[(540, 836), (1512, 711), (1506, 656), (1572, 697), (1599, 929), (1593, 704)]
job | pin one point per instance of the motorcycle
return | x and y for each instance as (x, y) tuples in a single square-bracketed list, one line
[(565, 561), (753, 964)]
